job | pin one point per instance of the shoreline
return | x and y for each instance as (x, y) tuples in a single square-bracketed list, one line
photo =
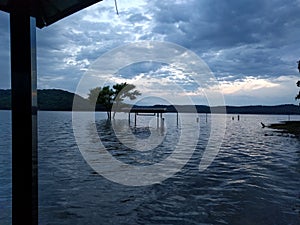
[(291, 127), (199, 112)]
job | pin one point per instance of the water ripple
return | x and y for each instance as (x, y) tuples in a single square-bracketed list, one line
[(254, 179)]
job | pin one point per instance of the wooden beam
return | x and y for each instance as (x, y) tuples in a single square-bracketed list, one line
[(24, 120)]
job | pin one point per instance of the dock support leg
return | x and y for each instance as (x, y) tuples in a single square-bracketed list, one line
[(135, 114), (24, 120)]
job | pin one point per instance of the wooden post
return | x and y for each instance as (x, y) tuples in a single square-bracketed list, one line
[(24, 119), (135, 114), (162, 122)]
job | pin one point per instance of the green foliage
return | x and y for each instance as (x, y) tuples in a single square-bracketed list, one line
[(298, 96), (124, 90), (108, 97), (102, 96), (298, 85), (121, 92)]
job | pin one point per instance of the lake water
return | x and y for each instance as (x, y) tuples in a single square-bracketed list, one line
[(254, 179)]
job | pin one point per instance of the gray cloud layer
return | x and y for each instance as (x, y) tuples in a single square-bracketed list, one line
[(249, 37), (237, 39)]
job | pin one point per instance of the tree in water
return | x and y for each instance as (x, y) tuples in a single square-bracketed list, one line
[(112, 98), (102, 96), (298, 96), (298, 83), (121, 92)]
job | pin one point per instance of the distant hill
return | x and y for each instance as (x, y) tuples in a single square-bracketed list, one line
[(48, 99), (57, 100), (260, 109), (60, 100), (256, 109)]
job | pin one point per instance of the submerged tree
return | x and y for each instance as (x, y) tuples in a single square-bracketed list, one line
[(102, 96), (298, 96), (121, 92), (112, 98), (298, 83)]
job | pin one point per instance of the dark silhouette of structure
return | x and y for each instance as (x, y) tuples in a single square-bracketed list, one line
[(25, 16)]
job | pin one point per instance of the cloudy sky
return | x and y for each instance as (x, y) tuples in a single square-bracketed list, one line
[(251, 46)]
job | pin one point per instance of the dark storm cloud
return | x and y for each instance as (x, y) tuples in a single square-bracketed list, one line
[(255, 37), (227, 23), (238, 39)]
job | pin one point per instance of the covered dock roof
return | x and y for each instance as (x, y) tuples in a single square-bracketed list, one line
[(46, 12), (146, 110)]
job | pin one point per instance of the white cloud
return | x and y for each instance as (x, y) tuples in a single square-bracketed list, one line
[(281, 90), (246, 85)]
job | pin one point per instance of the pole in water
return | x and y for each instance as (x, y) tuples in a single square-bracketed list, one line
[(162, 122)]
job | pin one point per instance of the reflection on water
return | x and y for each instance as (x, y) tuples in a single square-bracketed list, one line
[(254, 179), (131, 144), (139, 165)]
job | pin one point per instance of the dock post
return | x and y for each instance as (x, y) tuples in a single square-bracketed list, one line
[(162, 122), (135, 114), (24, 119), (129, 118), (177, 118), (162, 125)]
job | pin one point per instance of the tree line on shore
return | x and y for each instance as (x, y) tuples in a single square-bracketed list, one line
[(60, 100), (111, 100)]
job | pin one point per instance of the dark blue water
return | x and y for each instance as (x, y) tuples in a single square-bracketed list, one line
[(255, 178)]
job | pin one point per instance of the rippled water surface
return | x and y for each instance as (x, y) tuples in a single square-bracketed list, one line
[(254, 179)]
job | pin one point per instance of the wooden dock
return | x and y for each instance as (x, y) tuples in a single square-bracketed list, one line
[(147, 111)]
